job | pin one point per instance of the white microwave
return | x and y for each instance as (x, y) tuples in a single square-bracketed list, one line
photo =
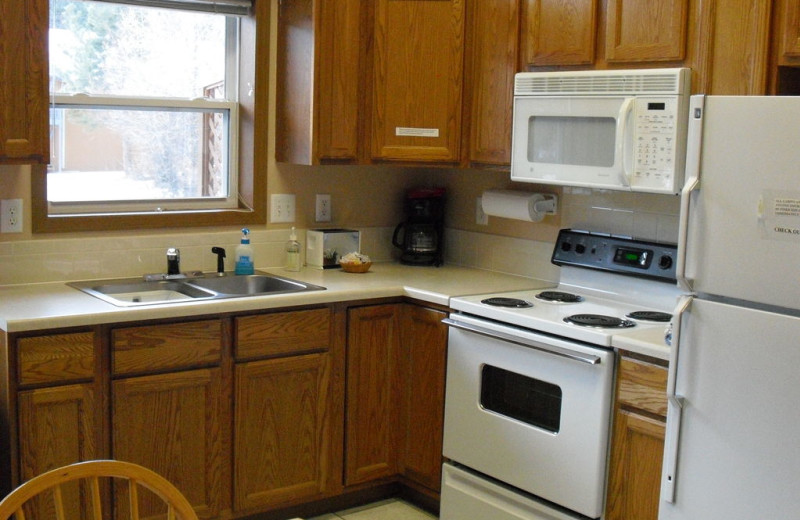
[(609, 129)]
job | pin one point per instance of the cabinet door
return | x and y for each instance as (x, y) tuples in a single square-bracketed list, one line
[(56, 428), (340, 71), (319, 78), (175, 424), (790, 43), (635, 473), (24, 134), (560, 32), (494, 31), (373, 392), (641, 30), (417, 80), (424, 348), (282, 431)]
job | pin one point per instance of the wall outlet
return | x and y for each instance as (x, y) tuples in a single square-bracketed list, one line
[(11, 212), (481, 218), (281, 208), (323, 207)]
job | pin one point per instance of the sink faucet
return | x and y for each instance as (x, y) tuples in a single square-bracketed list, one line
[(173, 261), (220, 252)]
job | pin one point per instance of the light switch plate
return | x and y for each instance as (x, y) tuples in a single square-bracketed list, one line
[(282, 208), (11, 212)]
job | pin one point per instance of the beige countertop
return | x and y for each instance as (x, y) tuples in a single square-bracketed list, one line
[(649, 342), (53, 305), (32, 307)]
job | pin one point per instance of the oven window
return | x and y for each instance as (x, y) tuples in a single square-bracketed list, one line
[(523, 398), (572, 141)]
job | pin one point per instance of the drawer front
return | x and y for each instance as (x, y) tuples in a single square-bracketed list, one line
[(643, 386), (166, 347), (55, 358), (282, 333)]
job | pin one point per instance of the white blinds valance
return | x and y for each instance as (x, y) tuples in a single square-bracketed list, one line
[(230, 7)]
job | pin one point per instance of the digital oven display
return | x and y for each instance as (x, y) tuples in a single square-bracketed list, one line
[(639, 258)]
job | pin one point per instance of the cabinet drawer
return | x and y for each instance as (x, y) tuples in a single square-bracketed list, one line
[(643, 385), (283, 333), (55, 358), (171, 346)]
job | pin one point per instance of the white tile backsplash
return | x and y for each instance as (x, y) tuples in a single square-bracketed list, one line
[(652, 217)]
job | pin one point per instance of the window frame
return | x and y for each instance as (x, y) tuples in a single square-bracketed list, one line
[(252, 158)]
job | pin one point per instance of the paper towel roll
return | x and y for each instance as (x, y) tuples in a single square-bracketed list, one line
[(519, 205)]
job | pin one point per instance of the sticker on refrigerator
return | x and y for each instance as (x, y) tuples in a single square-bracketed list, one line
[(416, 132), (779, 215)]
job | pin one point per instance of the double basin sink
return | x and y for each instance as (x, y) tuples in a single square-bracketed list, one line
[(130, 292)]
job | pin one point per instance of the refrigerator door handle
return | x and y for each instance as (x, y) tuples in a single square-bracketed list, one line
[(694, 142), (674, 406)]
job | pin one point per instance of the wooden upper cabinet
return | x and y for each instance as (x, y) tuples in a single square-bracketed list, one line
[(560, 32), (642, 30), (319, 79), (790, 30), (24, 132), (493, 55), (417, 79)]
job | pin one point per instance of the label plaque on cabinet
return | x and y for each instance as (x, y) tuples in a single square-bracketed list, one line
[(416, 132)]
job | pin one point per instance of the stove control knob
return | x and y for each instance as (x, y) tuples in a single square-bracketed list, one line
[(566, 246), (580, 249), (665, 262)]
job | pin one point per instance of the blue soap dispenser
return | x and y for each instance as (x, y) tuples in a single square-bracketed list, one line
[(244, 255)]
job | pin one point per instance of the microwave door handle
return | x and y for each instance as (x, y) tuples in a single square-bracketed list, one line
[(623, 147)]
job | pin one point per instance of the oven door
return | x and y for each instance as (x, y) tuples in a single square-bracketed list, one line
[(529, 410)]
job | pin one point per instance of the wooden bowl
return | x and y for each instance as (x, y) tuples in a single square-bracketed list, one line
[(356, 268)]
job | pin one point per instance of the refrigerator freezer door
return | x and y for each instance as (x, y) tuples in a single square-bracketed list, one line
[(744, 231), (738, 449)]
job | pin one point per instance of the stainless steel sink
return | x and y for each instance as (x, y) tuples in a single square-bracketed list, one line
[(248, 285), (130, 292)]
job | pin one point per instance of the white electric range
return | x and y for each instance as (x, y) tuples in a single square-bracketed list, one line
[(530, 380)]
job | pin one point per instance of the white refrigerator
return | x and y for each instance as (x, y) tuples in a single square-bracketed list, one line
[(732, 447)]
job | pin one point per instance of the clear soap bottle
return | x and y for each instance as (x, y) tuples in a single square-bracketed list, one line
[(293, 252)]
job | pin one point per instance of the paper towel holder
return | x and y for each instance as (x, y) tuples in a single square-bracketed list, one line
[(521, 205)]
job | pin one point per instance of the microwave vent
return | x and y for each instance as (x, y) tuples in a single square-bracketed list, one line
[(663, 81)]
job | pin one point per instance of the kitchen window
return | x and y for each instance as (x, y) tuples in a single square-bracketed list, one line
[(146, 105)]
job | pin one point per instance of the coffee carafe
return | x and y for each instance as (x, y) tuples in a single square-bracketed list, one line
[(421, 236)]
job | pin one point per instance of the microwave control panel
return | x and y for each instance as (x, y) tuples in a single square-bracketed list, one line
[(656, 124)]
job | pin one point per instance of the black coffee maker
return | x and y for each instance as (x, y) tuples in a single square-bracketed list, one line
[(421, 236)]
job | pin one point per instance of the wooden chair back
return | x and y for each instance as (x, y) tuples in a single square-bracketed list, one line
[(178, 507)]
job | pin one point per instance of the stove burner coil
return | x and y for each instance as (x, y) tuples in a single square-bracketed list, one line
[(660, 317), (599, 321), (559, 297), (515, 303)]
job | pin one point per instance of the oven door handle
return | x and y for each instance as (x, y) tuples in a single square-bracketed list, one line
[(550, 349)]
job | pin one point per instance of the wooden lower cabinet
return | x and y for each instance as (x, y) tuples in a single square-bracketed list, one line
[(282, 431), (637, 446), (57, 427), (395, 394), (245, 414), (424, 363), (373, 393), (175, 424)]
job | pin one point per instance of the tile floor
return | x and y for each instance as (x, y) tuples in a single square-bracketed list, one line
[(392, 509)]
